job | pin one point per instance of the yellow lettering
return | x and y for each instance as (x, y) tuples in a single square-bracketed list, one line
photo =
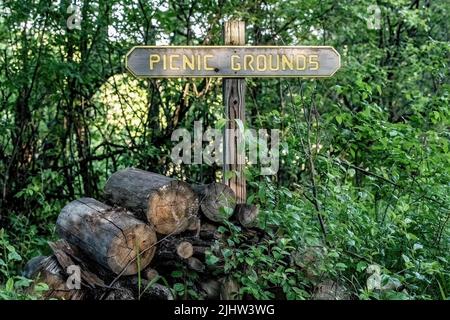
[(205, 60), (188, 63), (301, 62), (236, 66), (277, 66), (260, 58), (171, 59), (154, 58), (314, 62), (164, 62), (250, 62), (286, 62), (199, 62)]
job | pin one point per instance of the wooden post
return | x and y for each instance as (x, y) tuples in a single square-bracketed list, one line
[(234, 101)]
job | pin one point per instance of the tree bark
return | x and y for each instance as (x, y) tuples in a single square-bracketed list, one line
[(229, 289), (112, 237), (147, 291), (195, 264), (168, 204), (47, 270), (68, 256), (211, 288)]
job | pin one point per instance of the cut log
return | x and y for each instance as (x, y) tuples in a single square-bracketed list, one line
[(172, 248), (195, 264), (150, 274), (157, 291), (205, 231), (209, 232), (168, 204), (247, 215), (48, 271), (118, 292), (185, 250), (145, 290), (230, 289), (200, 251), (309, 260), (194, 225), (254, 235), (112, 237), (33, 266), (208, 227), (330, 290), (217, 200), (194, 241), (68, 257), (211, 288)]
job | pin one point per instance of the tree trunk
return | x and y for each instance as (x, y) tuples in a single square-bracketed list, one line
[(109, 236), (168, 204), (217, 200)]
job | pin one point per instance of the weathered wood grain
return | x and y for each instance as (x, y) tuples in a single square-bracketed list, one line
[(168, 204), (247, 215), (112, 237), (217, 200), (232, 60), (234, 101)]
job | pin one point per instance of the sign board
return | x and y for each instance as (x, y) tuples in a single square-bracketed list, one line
[(232, 61), (237, 62)]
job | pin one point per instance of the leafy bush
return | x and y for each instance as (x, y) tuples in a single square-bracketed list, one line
[(364, 182)]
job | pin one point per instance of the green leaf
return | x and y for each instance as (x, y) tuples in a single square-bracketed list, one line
[(406, 258), (341, 266), (178, 287), (361, 266), (41, 287), (177, 274), (211, 259), (249, 261), (9, 284)]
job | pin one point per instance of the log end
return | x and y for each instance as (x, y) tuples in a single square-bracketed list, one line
[(185, 250), (218, 202), (247, 215), (123, 252), (172, 207)]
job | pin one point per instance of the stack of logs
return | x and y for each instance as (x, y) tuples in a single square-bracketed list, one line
[(150, 226)]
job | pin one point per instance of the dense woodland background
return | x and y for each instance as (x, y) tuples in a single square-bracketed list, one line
[(368, 150)]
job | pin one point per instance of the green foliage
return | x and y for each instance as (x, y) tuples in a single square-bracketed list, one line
[(409, 269), (15, 287), (184, 283), (364, 155)]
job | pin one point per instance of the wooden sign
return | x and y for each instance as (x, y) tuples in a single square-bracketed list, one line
[(232, 61)]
